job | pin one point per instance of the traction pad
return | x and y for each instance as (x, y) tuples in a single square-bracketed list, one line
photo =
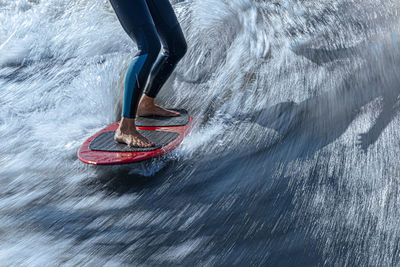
[(106, 142), (158, 121)]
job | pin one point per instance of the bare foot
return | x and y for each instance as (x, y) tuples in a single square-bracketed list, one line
[(127, 134), (147, 107)]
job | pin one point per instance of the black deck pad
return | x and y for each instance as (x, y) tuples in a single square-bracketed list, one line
[(106, 142), (158, 121)]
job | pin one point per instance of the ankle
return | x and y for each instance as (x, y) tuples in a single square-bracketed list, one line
[(127, 125), (146, 101)]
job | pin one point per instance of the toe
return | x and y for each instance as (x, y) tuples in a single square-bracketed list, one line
[(149, 143), (172, 113), (143, 144)]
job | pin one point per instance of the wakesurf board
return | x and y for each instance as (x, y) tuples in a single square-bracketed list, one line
[(166, 132)]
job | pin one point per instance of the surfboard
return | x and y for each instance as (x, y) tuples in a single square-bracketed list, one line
[(166, 132)]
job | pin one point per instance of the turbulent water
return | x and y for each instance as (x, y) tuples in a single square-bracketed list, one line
[(293, 159)]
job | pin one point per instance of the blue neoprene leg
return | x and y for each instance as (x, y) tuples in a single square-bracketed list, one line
[(173, 43), (130, 83), (146, 21)]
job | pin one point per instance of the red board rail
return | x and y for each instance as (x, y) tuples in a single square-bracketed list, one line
[(94, 157)]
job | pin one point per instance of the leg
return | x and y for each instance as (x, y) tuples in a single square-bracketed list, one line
[(135, 18), (174, 48)]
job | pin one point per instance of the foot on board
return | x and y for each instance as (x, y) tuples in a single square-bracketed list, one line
[(132, 138), (147, 107)]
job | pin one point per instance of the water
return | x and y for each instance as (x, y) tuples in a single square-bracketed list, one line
[(293, 160)]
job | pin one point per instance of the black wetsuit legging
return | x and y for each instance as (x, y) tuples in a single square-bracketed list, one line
[(150, 23)]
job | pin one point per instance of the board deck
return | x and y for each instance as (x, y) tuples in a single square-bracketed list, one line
[(166, 133)]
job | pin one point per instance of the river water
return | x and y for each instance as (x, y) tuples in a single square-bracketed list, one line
[(293, 160)]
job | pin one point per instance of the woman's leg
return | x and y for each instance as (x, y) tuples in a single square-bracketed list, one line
[(174, 48), (136, 20)]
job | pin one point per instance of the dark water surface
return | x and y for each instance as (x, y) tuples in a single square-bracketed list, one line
[(293, 160)]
